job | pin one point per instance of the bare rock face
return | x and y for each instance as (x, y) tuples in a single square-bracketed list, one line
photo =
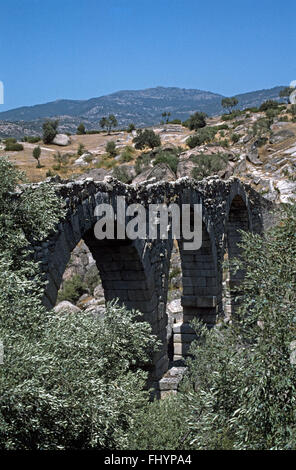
[(280, 136), (252, 156), (97, 174), (84, 159), (185, 168), (160, 172), (66, 306), (62, 140)]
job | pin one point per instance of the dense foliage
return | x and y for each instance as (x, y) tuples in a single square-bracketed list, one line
[(50, 130), (206, 165), (196, 121), (67, 381), (146, 138)]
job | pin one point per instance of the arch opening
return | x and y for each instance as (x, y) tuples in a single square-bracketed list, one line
[(238, 219)]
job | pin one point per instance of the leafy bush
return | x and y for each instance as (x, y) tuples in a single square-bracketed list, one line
[(244, 373), (175, 121), (160, 426), (81, 149), (146, 138), (261, 127), (235, 138), (50, 130), (169, 158), (207, 165), (80, 129), (32, 139), (233, 115), (127, 154), (131, 127), (61, 158), (203, 136), (13, 147), (68, 381), (10, 140), (142, 162), (72, 289), (269, 104), (37, 154), (122, 174), (111, 148), (196, 121)]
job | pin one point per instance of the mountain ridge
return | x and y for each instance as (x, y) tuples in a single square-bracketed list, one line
[(142, 107)]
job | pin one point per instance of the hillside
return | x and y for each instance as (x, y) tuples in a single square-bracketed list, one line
[(142, 107), (256, 147)]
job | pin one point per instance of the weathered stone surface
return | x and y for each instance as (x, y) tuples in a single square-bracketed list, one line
[(66, 306), (137, 271), (160, 172), (62, 140)]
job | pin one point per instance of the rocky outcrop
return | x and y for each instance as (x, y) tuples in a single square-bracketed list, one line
[(62, 140)]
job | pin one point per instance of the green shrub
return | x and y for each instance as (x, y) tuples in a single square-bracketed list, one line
[(175, 121), (142, 162), (32, 139), (292, 109), (36, 154), (235, 138), (160, 426), (131, 127), (72, 289), (205, 135), (244, 373), (81, 129), (122, 174), (14, 147), (269, 104), (261, 127), (207, 165), (61, 158), (195, 121), (10, 140), (146, 138), (169, 158), (233, 115), (50, 173), (127, 154), (111, 148), (50, 130), (81, 149), (67, 381)]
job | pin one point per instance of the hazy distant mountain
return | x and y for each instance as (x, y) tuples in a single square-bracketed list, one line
[(142, 107)]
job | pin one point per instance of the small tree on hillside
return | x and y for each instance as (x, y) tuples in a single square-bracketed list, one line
[(229, 103), (36, 155), (80, 129), (50, 130), (146, 138), (196, 121), (166, 116), (111, 148), (131, 127), (108, 122)]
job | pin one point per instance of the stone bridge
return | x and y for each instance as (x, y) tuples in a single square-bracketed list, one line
[(137, 271)]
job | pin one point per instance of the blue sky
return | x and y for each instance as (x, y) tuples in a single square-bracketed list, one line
[(80, 49)]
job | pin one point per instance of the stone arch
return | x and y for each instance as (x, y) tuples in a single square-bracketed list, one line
[(238, 218), (135, 272), (201, 293)]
